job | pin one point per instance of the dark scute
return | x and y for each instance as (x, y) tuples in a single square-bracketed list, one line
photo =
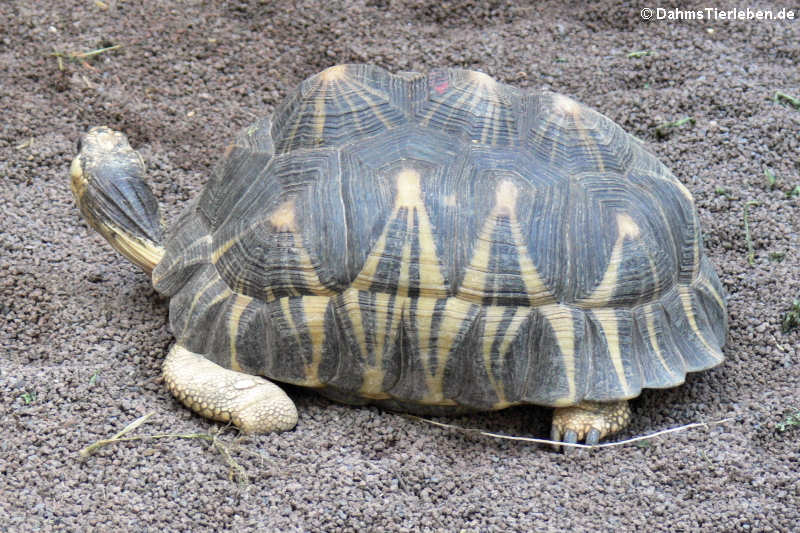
[(193, 311), (243, 161), (584, 141), (357, 101), (545, 379), (472, 107), (187, 248), (661, 361), (700, 351), (369, 170), (258, 257)]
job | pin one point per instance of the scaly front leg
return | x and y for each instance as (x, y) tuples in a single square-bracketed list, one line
[(252, 403)]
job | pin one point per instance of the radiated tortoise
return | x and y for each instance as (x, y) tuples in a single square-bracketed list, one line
[(428, 243)]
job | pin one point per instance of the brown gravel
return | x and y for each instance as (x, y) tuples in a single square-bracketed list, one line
[(82, 333)]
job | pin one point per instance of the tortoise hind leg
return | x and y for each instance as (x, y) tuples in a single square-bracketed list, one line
[(589, 421), (252, 403)]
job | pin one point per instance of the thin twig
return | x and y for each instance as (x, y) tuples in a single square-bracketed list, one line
[(573, 445)]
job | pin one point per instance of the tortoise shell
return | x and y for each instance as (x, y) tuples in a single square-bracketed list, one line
[(444, 240)]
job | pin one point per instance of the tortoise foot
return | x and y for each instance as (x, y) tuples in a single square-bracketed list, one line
[(589, 421), (252, 403)]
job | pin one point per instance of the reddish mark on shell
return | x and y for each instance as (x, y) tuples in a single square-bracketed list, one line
[(442, 87)]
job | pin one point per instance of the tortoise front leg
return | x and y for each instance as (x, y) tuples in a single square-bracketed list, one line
[(252, 403), (590, 421)]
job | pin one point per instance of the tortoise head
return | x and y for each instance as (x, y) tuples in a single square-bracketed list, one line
[(107, 181)]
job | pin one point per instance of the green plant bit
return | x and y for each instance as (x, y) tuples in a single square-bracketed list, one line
[(791, 421), (794, 192), (777, 256), (771, 179), (639, 53), (751, 254), (663, 129), (783, 97), (29, 397), (81, 56), (792, 318)]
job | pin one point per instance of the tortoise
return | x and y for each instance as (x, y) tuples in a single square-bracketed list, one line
[(436, 244)]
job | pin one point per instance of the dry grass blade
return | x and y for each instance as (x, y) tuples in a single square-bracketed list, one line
[(237, 471), (92, 448), (555, 443)]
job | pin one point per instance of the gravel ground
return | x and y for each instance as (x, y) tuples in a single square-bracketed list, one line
[(82, 333)]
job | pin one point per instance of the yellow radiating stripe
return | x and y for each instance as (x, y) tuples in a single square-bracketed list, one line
[(590, 143), (651, 333), (388, 311), (493, 316), (520, 315), (455, 313), (342, 93), (299, 114), (205, 239), (706, 284), (224, 294), (607, 318), (563, 325), (604, 291), (319, 116), (424, 322), (310, 277), (686, 301), (459, 104), (566, 107), (473, 286), (352, 307), (286, 309), (537, 291), (367, 90), (240, 303), (405, 261), (314, 308), (366, 276), (432, 283), (491, 120), (431, 279)]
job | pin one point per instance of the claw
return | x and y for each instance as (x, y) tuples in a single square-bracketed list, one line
[(555, 436), (570, 437), (593, 437)]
